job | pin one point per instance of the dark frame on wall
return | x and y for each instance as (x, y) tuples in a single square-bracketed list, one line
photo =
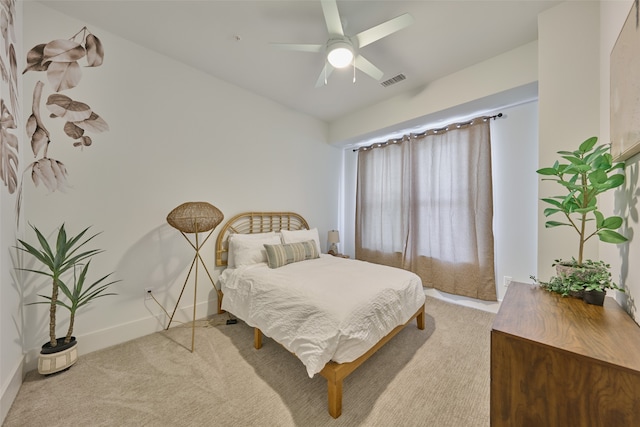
[(625, 89)]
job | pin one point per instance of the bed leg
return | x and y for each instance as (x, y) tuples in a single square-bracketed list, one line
[(257, 338), (420, 319), (220, 310), (334, 389)]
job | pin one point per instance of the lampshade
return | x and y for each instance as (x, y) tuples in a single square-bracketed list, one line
[(340, 54), (334, 236), (195, 217)]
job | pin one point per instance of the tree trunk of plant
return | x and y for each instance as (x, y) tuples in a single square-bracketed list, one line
[(583, 216), (52, 313), (72, 319), (582, 230)]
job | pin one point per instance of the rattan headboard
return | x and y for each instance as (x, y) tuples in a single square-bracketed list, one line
[(255, 222)]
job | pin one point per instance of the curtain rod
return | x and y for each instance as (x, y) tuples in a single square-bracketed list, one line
[(418, 135)]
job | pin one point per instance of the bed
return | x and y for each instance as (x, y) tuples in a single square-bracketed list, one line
[(332, 313)]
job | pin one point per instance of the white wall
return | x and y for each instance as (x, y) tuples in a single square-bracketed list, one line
[(175, 135), (624, 202), (10, 295), (514, 146), (568, 40)]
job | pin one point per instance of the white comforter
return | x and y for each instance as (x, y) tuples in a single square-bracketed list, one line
[(323, 309)]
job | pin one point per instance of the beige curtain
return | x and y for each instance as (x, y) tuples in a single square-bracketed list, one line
[(425, 204)]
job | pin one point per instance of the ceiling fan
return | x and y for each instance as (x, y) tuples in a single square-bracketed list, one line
[(341, 50)]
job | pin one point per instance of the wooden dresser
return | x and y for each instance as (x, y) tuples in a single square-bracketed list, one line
[(561, 362)]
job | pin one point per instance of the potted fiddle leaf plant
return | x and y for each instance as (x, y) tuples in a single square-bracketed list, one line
[(583, 174), (66, 264), (588, 281)]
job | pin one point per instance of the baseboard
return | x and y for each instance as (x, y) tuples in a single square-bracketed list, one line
[(490, 306), (10, 389), (124, 332)]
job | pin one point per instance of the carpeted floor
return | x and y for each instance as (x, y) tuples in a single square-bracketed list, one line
[(437, 377)]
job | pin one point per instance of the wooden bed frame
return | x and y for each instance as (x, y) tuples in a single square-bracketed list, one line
[(263, 222)]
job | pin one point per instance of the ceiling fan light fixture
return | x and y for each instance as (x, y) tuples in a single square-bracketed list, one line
[(340, 54)]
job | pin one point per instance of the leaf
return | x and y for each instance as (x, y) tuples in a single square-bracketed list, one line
[(8, 149), (35, 104), (581, 168), (4, 28), (610, 236), (588, 144), (39, 140), (3, 70), (612, 223), (85, 141), (31, 126), (63, 50), (599, 219), (553, 202), (551, 224), (551, 211), (35, 59), (51, 173), (13, 83), (585, 210), (40, 137), (615, 181), (574, 160), (6, 118), (10, 7), (598, 177), (64, 75), (94, 123), (67, 108), (547, 171), (72, 130), (95, 51)]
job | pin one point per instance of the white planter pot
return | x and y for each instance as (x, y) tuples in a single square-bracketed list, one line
[(52, 362)]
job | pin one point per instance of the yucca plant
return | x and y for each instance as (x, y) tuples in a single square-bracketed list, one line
[(67, 255), (586, 173)]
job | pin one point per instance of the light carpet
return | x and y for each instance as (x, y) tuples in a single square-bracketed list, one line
[(436, 377)]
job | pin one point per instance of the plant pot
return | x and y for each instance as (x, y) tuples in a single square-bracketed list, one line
[(594, 297), (567, 270), (577, 294), (58, 358)]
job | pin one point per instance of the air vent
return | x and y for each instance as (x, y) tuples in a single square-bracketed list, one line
[(393, 80)]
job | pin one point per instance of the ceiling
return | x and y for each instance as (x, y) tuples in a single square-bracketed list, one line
[(230, 40)]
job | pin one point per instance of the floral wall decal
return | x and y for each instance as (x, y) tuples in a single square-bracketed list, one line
[(8, 149), (60, 60), (8, 110)]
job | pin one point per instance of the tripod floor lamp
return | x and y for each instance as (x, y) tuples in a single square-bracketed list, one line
[(194, 218)]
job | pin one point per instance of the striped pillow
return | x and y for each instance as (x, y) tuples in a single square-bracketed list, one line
[(280, 255)]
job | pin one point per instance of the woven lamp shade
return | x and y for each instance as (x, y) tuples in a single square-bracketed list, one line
[(195, 217)]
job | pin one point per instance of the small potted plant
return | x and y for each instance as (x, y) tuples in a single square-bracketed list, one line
[(588, 281), (67, 268), (583, 174)]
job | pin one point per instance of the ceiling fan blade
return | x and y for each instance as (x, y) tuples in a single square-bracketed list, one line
[(382, 30), (314, 48), (367, 67), (332, 17), (324, 75)]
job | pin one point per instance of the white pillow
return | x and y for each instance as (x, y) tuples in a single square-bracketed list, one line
[(247, 249), (301, 236)]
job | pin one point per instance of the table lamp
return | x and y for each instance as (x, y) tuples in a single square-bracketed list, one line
[(333, 239)]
